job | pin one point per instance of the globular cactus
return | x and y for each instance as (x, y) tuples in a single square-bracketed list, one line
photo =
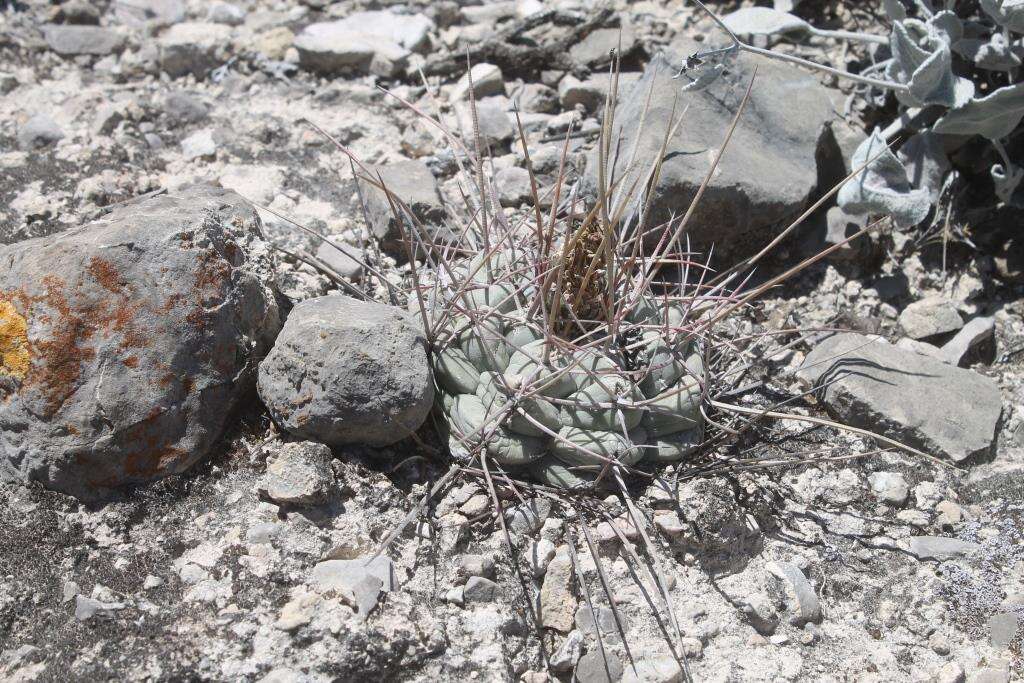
[(549, 368)]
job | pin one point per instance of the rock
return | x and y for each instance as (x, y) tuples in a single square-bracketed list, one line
[(225, 13), (495, 125), (569, 653), (274, 43), (355, 580), (78, 12), (527, 518), (468, 566), (374, 42), (128, 341), (513, 186), (889, 487), (537, 98), (152, 582), (951, 672), (198, 145), (106, 119), (801, 600), (596, 49), (767, 173), (258, 184), (654, 669), (487, 81), (479, 589), (990, 674), (1002, 629), (193, 48), (971, 342), (876, 386), (86, 608), (760, 612), (298, 474), (72, 41), (940, 548), (339, 261), (154, 12), (345, 371), (949, 514), (39, 131), (557, 600), (588, 626), (929, 318), (922, 348), (412, 183), (183, 108), (592, 93), (298, 611), (598, 667), (8, 82), (538, 556)]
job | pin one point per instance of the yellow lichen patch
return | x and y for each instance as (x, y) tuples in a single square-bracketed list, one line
[(14, 358)]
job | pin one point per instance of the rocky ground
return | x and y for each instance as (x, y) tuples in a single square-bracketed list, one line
[(792, 552)]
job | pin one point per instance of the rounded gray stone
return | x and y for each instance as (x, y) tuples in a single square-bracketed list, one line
[(345, 371), (134, 337)]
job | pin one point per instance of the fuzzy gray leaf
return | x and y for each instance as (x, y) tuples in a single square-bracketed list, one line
[(927, 70), (926, 162), (994, 54), (883, 186), (763, 21), (994, 116), (948, 26), (1008, 13), (1006, 181), (786, 5)]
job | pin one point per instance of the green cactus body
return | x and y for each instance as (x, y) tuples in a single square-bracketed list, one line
[(564, 409)]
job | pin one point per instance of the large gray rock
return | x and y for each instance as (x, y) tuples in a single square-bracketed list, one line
[(869, 383), (768, 171), (128, 341), (375, 42), (39, 131), (345, 371), (413, 184), (82, 40)]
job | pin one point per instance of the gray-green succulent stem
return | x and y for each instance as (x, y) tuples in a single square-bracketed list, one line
[(850, 35), (770, 54)]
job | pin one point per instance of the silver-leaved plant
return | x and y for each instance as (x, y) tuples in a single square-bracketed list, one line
[(955, 73)]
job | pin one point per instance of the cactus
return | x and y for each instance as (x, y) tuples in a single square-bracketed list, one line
[(621, 385)]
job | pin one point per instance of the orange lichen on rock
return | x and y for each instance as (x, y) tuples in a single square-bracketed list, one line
[(14, 352)]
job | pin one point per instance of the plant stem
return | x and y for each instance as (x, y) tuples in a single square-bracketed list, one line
[(876, 82), (850, 35)]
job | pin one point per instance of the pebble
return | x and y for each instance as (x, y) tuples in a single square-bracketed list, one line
[(513, 186), (538, 556), (949, 514), (468, 566), (487, 81), (799, 593), (86, 608), (889, 487), (941, 548), (298, 473), (950, 672), (655, 669), (598, 667), (557, 599), (527, 518), (199, 144), (479, 589), (975, 335), (930, 318), (569, 653), (39, 131)]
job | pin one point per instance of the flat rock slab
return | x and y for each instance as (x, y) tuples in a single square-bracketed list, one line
[(943, 410), (127, 341), (769, 169)]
